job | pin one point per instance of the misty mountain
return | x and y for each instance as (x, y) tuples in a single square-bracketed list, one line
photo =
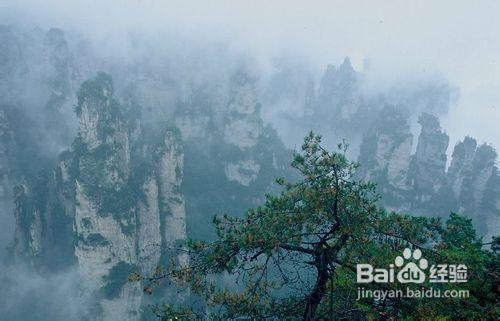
[(107, 167)]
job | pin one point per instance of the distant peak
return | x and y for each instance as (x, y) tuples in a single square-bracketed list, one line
[(429, 121), (347, 62), (346, 65), (470, 141)]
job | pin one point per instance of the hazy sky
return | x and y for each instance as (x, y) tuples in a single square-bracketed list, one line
[(457, 39)]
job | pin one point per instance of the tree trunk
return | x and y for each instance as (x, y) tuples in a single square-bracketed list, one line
[(316, 294)]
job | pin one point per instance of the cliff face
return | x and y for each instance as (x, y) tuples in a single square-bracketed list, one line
[(420, 183), (6, 144), (36, 79), (38, 70), (104, 228), (479, 193), (243, 128), (231, 156), (338, 94), (58, 68), (124, 213), (461, 164), (117, 200), (427, 172), (488, 212), (386, 149), (120, 191), (347, 102), (125, 219)]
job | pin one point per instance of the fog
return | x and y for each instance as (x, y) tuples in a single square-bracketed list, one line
[(395, 43), (401, 39), (30, 296)]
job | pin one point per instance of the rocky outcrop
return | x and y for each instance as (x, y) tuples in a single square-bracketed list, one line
[(386, 149), (114, 202), (243, 172), (119, 211), (59, 71), (104, 215), (427, 170), (169, 172), (242, 125), (461, 164), (348, 102), (242, 128), (479, 194), (473, 178), (124, 220), (36, 79), (420, 183), (338, 95), (36, 74), (28, 233), (483, 169), (43, 235), (6, 144), (231, 156), (233, 122), (59, 77), (488, 212)]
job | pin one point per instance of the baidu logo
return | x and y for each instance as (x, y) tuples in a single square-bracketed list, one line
[(411, 267), (411, 272)]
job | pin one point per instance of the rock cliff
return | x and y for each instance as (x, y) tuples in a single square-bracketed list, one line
[(231, 156), (420, 183), (125, 213), (427, 170)]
